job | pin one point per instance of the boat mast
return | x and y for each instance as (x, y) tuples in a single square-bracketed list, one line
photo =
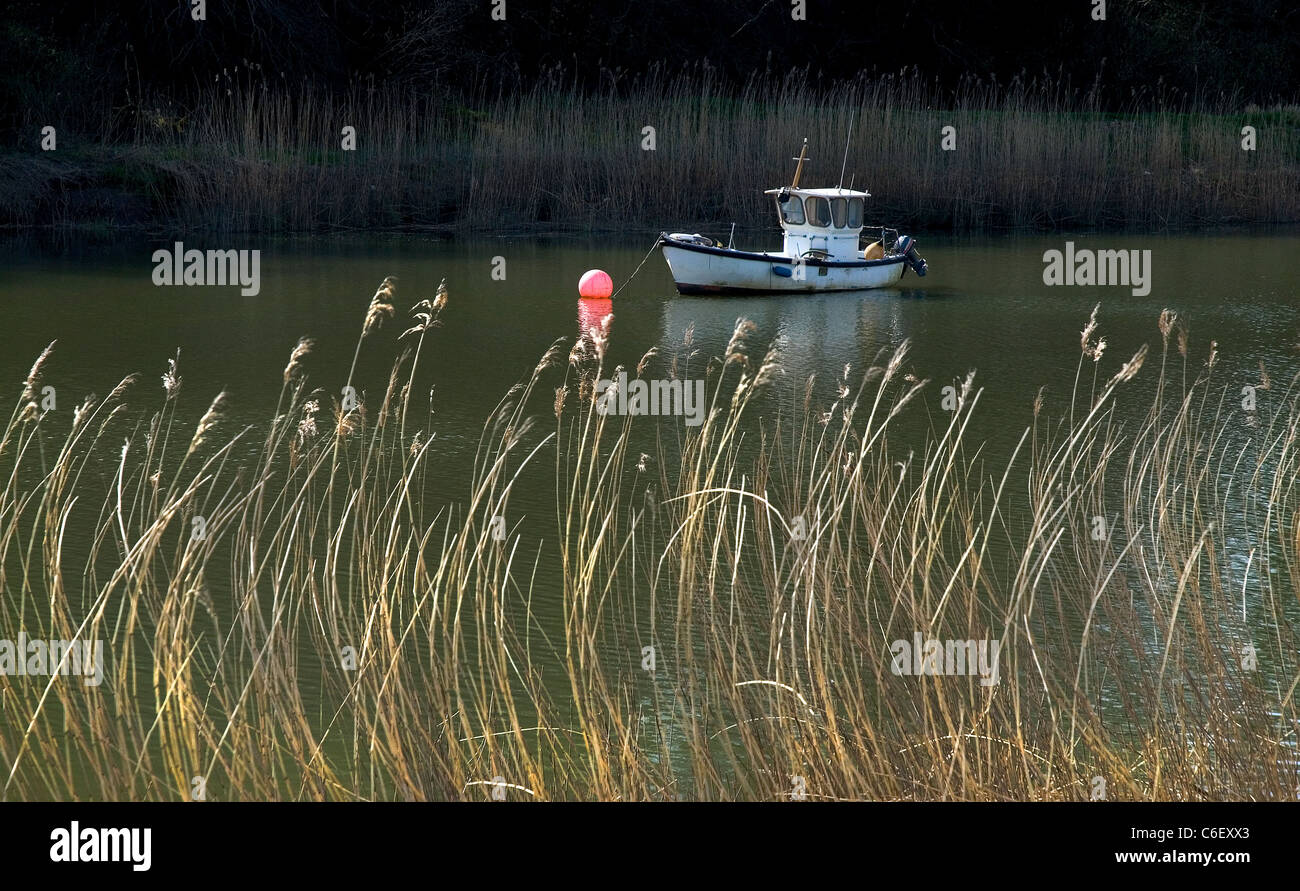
[(847, 140), (798, 171)]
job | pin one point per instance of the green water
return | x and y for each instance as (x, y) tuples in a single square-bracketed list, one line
[(983, 307)]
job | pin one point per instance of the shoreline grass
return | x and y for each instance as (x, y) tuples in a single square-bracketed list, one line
[(1121, 656), (1033, 154)]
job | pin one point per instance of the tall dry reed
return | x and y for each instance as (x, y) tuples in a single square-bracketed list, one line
[(257, 156), (332, 634)]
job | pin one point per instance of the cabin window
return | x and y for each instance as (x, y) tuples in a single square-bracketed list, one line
[(840, 211), (819, 210), (791, 210), (855, 213)]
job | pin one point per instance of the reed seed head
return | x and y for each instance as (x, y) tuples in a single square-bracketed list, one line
[(32, 384), (1085, 336), (381, 306), (600, 336), (171, 379), (645, 361), (426, 312), (120, 390), (1090, 349), (771, 367), (1167, 320), (552, 357), (578, 352), (347, 423), (307, 424), (737, 346), (81, 412), (294, 369), (1131, 367), (208, 420)]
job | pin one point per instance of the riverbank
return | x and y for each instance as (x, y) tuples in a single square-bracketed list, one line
[(671, 153)]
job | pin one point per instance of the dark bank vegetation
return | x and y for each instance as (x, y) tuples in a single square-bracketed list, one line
[(1031, 154), (535, 122), (88, 66)]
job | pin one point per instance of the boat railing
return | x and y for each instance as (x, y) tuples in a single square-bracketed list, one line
[(888, 237)]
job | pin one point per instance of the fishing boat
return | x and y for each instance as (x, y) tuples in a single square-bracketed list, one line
[(822, 250)]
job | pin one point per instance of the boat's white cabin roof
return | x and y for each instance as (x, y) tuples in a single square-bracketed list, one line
[(827, 215)]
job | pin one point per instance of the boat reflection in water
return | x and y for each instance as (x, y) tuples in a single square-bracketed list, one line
[(820, 333)]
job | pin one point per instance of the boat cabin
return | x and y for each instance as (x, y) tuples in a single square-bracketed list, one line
[(822, 224)]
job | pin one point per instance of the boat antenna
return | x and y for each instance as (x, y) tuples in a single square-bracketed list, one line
[(798, 171), (846, 147)]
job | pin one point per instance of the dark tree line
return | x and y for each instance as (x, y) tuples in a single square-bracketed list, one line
[(106, 55)]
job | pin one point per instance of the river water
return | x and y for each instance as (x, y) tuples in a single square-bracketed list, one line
[(983, 307)]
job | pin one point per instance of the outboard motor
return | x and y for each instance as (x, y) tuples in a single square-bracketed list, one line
[(907, 247)]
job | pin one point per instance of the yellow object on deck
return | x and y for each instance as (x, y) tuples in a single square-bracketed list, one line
[(874, 251)]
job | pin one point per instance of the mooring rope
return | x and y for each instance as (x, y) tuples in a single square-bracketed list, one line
[(638, 269)]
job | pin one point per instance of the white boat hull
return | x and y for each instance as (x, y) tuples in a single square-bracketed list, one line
[(699, 269)]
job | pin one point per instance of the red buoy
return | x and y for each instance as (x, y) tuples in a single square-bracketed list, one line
[(595, 283)]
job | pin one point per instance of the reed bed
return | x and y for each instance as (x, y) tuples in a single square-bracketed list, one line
[(332, 634), (258, 155)]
